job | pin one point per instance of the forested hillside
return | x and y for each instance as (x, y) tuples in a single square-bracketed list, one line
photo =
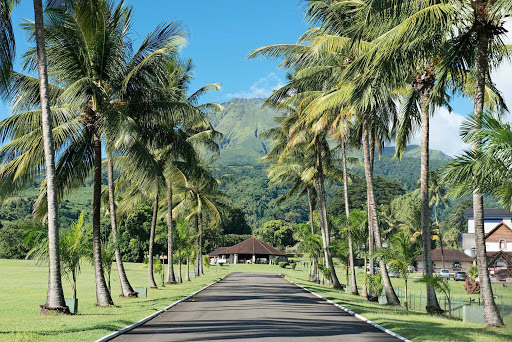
[(245, 180)]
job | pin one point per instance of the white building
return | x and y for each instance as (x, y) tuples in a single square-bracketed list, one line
[(497, 227)]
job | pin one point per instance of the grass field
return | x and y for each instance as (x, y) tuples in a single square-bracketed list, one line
[(23, 288)]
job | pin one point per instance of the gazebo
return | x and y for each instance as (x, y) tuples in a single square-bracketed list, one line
[(250, 251)]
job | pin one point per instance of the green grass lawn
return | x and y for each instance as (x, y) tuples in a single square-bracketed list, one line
[(23, 288)]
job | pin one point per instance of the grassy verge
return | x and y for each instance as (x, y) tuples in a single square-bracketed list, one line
[(23, 288)]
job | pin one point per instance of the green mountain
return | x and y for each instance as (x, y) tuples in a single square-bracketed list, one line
[(245, 180), (243, 120)]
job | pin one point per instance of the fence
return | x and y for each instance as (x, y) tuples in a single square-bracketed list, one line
[(418, 302)]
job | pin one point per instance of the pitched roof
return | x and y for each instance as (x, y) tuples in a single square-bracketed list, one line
[(218, 251), (492, 257), (253, 246), (450, 254), (496, 228), (490, 212)]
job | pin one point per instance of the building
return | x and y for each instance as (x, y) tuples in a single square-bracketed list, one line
[(250, 251), (454, 260), (498, 240), (497, 223)]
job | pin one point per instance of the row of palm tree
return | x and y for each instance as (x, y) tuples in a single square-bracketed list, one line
[(96, 95), (382, 68)]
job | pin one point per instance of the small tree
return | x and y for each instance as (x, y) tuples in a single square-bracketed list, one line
[(439, 285), (472, 286), (399, 256), (73, 247)]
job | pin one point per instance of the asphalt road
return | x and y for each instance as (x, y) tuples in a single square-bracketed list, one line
[(254, 307)]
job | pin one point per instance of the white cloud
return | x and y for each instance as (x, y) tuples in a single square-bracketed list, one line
[(444, 133), (261, 88)]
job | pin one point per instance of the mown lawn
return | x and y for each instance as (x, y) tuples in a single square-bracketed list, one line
[(23, 288)]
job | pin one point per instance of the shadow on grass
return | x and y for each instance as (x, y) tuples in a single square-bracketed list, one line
[(112, 326)]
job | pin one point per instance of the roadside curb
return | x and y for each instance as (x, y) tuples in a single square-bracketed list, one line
[(150, 317), (362, 318)]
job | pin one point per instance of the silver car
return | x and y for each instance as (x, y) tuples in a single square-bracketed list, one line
[(444, 273)]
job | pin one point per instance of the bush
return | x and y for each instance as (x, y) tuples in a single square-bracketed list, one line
[(293, 265), (472, 286), (283, 264)]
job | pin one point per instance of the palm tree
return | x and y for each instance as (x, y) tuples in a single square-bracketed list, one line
[(341, 128), (487, 169), (93, 99), (55, 299), (473, 33), (201, 195), (399, 256), (74, 248)]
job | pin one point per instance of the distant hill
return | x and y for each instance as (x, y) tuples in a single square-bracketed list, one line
[(243, 120)]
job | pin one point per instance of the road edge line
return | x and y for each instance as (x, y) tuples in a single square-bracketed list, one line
[(358, 316), (150, 317)]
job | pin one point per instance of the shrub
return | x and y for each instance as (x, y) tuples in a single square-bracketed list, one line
[(283, 264), (472, 286), (293, 265)]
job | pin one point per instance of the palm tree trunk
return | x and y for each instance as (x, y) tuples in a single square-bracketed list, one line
[(152, 282), (180, 278), (388, 288), (406, 304), (170, 252), (200, 256), (55, 295), (103, 297), (196, 266), (187, 275), (426, 240), (322, 210), (370, 217), (73, 273), (126, 288), (364, 292), (310, 202), (440, 235), (353, 281), (491, 314)]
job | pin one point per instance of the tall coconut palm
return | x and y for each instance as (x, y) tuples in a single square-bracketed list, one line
[(55, 297), (55, 294), (474, 30), (200, 196), (91, 98), (341, 130)]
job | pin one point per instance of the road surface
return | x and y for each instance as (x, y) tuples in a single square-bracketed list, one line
[(254, 307)]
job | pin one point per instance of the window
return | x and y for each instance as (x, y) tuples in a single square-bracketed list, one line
[(503, 244), (456, 264)]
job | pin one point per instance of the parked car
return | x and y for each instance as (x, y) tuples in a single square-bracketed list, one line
[(460, 276), (394, 274), (444, 273)]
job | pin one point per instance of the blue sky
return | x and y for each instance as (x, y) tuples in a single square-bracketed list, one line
[(223, 32)]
